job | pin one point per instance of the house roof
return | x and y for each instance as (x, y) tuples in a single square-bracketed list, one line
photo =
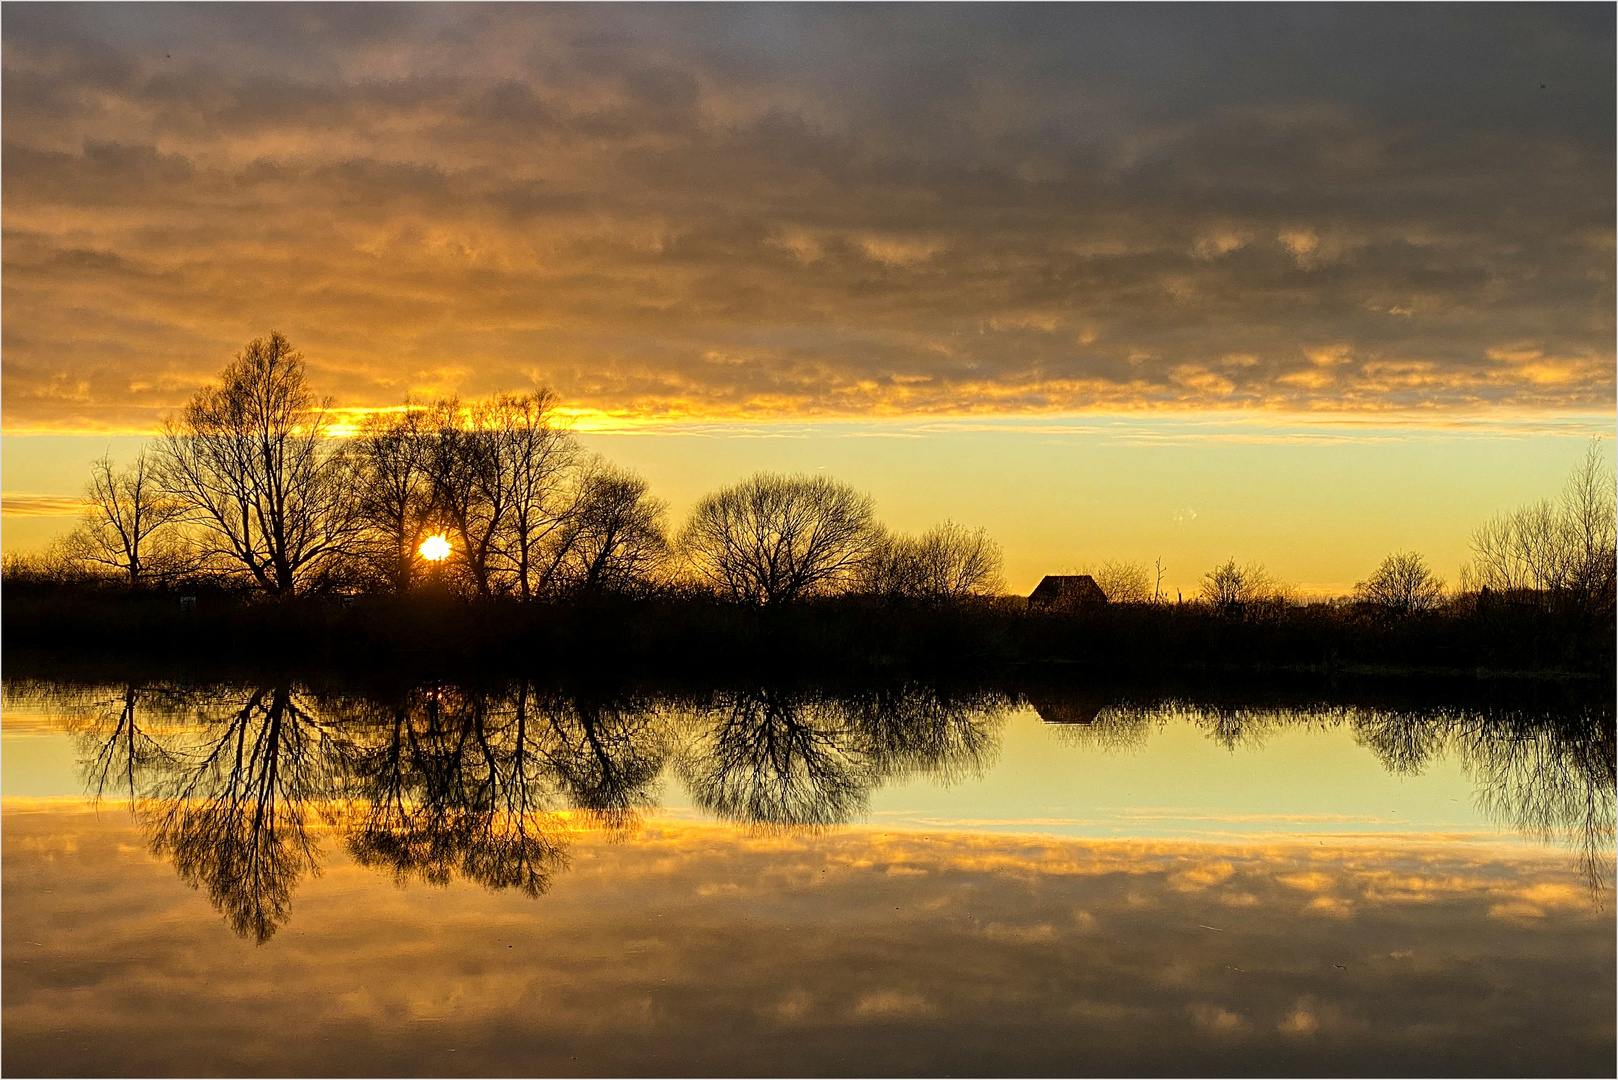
[(1073, 587)]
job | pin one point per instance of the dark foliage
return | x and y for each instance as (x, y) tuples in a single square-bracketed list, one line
[(695, 633)]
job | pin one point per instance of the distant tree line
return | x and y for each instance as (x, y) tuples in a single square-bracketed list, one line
[(1558, 555)]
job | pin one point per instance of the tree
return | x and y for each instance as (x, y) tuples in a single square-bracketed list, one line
[(1401, 585), (250, 464), (469, 490), (948, 562), (501, 472), (773, 539), (1230, 587), (614, 539), (1590, 514), (1562, 550), (1124, 581), (392, 460), (536, 459), (128, 522)]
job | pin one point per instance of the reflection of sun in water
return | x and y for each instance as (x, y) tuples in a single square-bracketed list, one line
[(435, 548)]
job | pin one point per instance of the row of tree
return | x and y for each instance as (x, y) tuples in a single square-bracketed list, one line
[(246, 484)]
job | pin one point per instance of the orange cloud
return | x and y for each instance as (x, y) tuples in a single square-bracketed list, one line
[(427, 206)]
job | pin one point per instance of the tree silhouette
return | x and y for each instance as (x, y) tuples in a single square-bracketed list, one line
[(236, 821), (608, 754), (392, 456), (251, 467), (777, 759), (1565, 551), (128, 523), (1401, 585), (1549, 775), (1231, 588), (948, 562), (772, 539), (458, 789), (615, 539)]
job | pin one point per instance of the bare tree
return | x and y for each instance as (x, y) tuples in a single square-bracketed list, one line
[(1124, 581), (948, 562), (1402, 585), (250, 464), (615, 539), (1230, 587), (773, 539), (502, 482), (392, 457), (128, 522), (957, 562), (470, 489), (1590, 510), (1562, 550), (536, 458)]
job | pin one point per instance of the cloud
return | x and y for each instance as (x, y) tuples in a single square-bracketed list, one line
[(860, 211), (15, 505)]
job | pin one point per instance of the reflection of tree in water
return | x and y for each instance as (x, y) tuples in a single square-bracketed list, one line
[(607, 754), (1085, 718), (1237, 727), (116, 751), (453, 784), (1548, 775), (919, 730), (776, 758), (444, 783), (234, 813)]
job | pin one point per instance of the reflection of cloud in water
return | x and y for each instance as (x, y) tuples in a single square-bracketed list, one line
[(897, 951)]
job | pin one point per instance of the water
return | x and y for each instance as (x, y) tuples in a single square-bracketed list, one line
[(279, 878)]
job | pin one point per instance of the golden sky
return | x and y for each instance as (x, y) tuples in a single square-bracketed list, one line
[(778, 215)]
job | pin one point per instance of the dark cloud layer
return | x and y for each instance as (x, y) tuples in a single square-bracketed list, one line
[(813, 210)]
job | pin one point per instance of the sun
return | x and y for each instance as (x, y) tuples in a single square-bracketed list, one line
[(435, 548)]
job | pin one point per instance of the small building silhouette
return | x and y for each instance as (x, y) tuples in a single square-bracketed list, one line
[(1065, 592), (1069, 708)]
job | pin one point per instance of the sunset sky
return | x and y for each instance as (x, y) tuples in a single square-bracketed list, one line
[(1298, 284)]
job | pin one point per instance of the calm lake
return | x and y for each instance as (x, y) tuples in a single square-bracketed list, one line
[(283, 878)]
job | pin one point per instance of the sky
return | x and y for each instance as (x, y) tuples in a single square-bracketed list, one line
[(1072, 273)]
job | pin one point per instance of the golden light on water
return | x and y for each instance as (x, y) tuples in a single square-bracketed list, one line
[(435, 548)]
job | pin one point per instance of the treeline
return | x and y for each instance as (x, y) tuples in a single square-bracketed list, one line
[(245, 494), (490, 499)]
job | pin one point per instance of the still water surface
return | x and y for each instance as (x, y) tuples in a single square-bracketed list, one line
[(514, 879)]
